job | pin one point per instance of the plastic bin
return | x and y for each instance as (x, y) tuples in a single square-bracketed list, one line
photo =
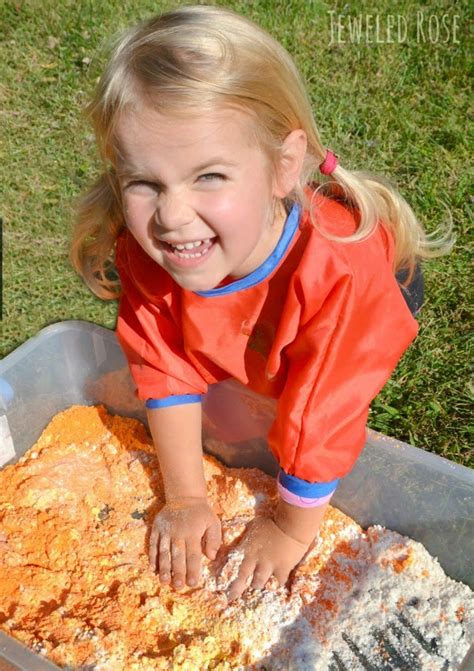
[(393, 484)]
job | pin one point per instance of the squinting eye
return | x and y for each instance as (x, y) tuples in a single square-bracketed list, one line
[(211, 175), (142, 182)]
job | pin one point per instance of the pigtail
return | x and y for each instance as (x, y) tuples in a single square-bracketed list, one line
[(377, 199), (99, 221)]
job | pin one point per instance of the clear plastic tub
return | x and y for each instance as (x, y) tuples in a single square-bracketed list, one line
[(393, 484)]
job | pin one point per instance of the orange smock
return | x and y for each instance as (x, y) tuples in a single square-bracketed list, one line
[(320, 326)]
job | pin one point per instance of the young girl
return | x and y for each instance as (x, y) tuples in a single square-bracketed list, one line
[(233, 264)]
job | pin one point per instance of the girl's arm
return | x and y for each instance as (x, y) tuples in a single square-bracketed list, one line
[(186, 524), (301, 524), (176, 432)]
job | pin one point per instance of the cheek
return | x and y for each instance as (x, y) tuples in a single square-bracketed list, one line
[(228, 206), (224, 209), (138, 212)]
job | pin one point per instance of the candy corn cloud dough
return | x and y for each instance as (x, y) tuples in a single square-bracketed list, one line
[(76, 586)]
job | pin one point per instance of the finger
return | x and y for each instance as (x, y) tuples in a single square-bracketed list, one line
[(213, 540), (178, 562), (164, 559), (282, 577), (260, 576), (239, 585), (193, 562), (153, 547)]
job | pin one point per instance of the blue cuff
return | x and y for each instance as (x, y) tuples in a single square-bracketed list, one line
[(304, 488), (303, 494), (173, 400)]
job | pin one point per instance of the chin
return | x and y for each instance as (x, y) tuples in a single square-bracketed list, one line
[(195, 284)]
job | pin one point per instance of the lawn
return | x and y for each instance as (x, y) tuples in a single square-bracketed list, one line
[(399, 108)]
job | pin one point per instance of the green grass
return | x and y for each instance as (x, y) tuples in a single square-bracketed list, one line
[(399, 109)]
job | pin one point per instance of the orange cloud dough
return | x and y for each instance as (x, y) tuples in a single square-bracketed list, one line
[(76, 585)]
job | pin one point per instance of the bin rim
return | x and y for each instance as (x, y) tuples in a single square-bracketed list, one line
[(24, 348)]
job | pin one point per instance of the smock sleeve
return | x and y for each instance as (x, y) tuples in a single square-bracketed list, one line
[(338, 362), (153, 345)]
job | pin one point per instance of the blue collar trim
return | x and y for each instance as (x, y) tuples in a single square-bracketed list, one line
[(265, 268)]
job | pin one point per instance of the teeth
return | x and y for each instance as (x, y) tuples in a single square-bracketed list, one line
[(191, 245), (191, 256)]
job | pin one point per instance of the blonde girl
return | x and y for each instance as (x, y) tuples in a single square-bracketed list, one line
[(234, 264)]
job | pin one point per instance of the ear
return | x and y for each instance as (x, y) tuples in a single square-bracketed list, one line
[(290, 163)]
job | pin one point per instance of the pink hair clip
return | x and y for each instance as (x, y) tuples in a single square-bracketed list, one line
[(329, 164)]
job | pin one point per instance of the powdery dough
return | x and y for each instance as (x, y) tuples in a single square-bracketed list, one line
[(76, 585)]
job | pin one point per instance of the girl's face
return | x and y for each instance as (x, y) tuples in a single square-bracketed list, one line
[(198, 181)]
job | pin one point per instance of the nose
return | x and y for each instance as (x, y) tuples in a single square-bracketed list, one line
[(173, 212)]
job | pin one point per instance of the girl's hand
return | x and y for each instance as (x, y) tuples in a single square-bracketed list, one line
[(267, 551), (180, 532)]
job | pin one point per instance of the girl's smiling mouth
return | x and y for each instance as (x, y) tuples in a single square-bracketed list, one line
[(188, 254)]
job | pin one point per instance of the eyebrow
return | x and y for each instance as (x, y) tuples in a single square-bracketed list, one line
[(132, 172)]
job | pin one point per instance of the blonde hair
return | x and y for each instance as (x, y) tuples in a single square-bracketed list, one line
[(197, 58)]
